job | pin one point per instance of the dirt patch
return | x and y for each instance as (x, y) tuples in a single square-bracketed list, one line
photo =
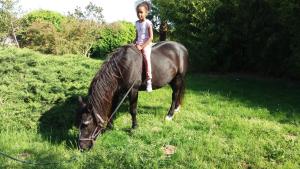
[(168, 150), (290, 137), (24, 155)]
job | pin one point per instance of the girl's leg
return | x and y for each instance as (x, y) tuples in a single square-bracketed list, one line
[(147, 53)]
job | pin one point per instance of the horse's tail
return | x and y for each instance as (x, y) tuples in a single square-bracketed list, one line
[(183, 66), (184, 61)]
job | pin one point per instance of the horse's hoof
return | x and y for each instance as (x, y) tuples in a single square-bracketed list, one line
[(177, 109), (134, 126), (169, 118)]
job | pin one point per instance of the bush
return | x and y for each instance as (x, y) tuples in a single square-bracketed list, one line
[(40, 36), (54, 18), (40, 31), (51, 33), (113, 36), (77, 36), (74, 36)]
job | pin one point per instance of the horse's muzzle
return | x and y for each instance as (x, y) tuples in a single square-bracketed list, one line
[(85, 145)]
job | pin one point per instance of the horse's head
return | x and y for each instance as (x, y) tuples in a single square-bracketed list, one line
[(90, 126)]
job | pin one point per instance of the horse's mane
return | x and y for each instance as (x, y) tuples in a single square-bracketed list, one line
[(105, 82)]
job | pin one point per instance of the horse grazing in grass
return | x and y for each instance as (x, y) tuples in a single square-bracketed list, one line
[(123, 70)]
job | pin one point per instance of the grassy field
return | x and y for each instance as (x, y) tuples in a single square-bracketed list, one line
[(226, 122)]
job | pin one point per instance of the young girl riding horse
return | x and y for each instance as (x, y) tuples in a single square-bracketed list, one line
[(144, 37)]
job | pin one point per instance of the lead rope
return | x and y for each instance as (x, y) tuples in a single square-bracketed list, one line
[(74, 158), (124, 95), (122, 101), (96, 131)]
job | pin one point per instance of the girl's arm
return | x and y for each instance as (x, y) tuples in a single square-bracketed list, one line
[(136, 36), (150, 30)]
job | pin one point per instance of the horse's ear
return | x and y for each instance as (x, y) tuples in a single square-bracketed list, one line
[(81, 103), (79, 111)]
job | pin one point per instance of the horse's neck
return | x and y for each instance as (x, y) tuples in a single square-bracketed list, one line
[(101, 95)]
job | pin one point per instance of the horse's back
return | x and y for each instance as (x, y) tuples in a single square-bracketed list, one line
[(168, 59), (170, 53)]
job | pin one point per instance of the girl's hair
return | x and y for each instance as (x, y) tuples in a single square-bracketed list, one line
[(145, 4)]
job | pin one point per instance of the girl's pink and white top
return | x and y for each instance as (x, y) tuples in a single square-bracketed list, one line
[(142, 29)]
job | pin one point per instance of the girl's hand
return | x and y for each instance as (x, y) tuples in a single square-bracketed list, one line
[(139, 47)]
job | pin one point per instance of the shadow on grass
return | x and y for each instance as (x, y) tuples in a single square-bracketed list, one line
[(55, 125), (36, 158), (43, 159), (281, 98)]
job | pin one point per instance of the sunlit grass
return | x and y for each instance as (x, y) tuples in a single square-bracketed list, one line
[(225, 122)]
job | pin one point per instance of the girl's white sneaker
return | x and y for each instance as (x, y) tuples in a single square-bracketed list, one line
[(149, 86)]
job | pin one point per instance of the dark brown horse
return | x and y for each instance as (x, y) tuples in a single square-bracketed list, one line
[(123, 70)]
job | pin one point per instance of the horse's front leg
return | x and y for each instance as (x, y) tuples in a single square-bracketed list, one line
[(112, 117), (133, 98)]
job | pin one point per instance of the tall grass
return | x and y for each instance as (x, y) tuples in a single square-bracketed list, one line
[(226, 121)]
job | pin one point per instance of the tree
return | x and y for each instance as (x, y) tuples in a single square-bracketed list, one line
[(160, 23), (90, 12), (8, 22), (257, 36), (90, 17)]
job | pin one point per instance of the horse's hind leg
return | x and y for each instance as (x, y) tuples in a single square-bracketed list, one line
[(177, 87), (180, 96)]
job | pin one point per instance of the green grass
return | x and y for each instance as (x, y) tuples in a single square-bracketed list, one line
[(226, 121)]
